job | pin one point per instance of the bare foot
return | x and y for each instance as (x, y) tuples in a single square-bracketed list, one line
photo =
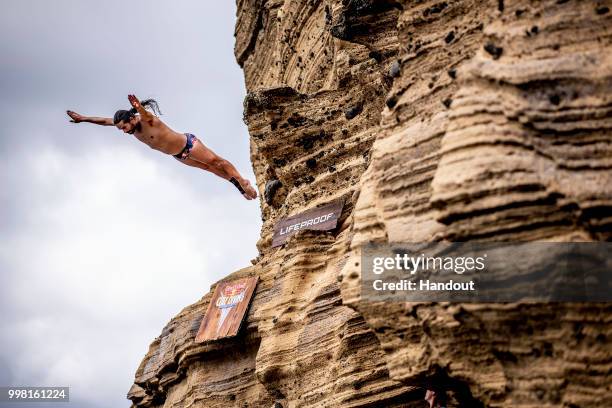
[(249, 191)]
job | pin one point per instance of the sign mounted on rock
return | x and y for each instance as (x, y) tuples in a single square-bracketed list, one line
[(321, 219), (227, 309)]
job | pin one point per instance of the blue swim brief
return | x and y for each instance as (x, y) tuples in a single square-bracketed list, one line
[(184, 154)]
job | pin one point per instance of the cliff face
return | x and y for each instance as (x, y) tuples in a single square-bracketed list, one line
[(433, 120)]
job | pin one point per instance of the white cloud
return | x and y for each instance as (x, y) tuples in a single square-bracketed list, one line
[(110, 247)]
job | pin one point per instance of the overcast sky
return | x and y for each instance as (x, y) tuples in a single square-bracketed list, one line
[(103, 240)]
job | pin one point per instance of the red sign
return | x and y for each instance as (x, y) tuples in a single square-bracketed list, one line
[(227, 309)]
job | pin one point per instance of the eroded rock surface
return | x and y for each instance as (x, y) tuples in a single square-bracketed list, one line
[(434, 120)]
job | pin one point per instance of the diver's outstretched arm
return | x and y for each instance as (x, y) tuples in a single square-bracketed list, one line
[(145, 114), (78, 118)]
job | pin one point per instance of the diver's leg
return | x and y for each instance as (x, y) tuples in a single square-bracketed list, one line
[(202, 157), (194, 163)]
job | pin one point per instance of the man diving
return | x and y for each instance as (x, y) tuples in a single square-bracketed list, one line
[(185, 147)]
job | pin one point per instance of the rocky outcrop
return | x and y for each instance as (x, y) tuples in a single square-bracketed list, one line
[(433, 120)]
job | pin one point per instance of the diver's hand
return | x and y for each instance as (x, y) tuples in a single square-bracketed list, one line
[(134, 102), (76, 118)]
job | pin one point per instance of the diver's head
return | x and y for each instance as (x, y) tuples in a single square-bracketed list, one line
[(128, 121)]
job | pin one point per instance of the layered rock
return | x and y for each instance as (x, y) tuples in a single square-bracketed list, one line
[(433, 120)]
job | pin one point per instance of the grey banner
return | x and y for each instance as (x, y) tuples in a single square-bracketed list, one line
[(487, 272), (324, 218), (34, 394)]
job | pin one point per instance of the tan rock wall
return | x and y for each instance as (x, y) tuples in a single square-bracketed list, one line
[(434, 120)]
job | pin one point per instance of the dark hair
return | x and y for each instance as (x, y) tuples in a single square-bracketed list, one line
[(126, 115)]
